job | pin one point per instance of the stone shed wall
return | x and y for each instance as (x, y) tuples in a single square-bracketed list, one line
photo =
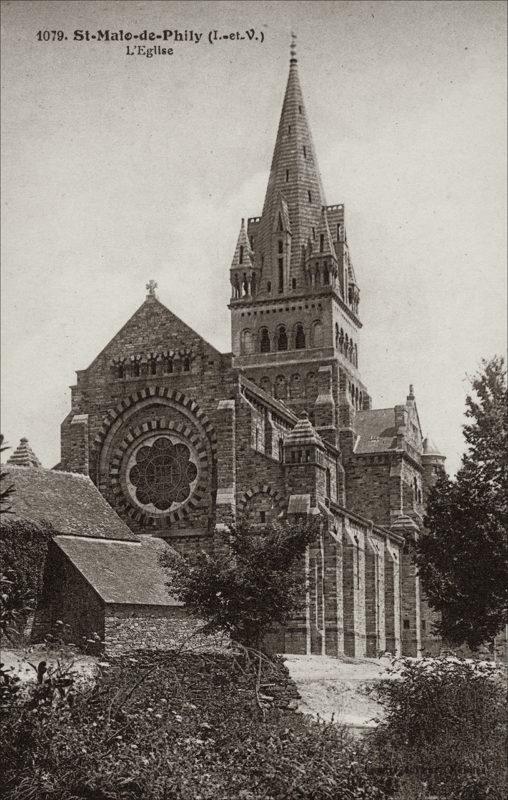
[(132, 627)]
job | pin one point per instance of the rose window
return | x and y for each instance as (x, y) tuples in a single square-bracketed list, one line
[(162, 473)]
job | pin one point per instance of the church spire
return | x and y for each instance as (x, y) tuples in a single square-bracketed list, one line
[(294, 177)]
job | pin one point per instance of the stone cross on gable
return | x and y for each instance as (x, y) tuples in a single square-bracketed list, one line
[(151, 287)]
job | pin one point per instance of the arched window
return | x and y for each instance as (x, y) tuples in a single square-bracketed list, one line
[(168, 365), (241, 254), (326, 275), (299, 337), (282, 338), (281, 387), (281, 450), (336, 334), (247, 343), (135, 369), (153, 367), (328, 483), (264, 340), (317, 334), (186, 364), (121, 371), (341, 340), (295, 386)]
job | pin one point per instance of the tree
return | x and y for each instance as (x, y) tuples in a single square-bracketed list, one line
[(5, 491), (462, 555), (23, 548), (258, 586)]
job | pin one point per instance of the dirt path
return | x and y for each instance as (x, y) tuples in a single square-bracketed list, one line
[(334, 687), (23, 663)]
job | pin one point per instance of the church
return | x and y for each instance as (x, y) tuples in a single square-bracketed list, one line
[(181, 440)]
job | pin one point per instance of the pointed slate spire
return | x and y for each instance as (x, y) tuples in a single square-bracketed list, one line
[(24, 456), (243, 253), (294, 174)]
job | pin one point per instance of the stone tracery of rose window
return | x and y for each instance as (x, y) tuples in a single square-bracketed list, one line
[(161, 473)]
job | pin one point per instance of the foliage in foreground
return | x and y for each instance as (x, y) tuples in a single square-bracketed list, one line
[(177, 727), (255, 586), (23, 548), (443, 731), (462, 555)]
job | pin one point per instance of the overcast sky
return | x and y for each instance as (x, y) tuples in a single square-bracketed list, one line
[(118, 169)]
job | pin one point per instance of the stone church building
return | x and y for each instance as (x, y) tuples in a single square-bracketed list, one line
[(182, 439)]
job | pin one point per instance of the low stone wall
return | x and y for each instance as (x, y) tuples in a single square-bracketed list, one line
[(129, 627)]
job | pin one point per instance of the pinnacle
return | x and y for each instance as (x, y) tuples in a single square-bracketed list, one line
[(243, 253), (24, 456)]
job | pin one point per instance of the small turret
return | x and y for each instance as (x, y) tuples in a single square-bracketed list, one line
[(433, 463), (244, 278), (24, 456)]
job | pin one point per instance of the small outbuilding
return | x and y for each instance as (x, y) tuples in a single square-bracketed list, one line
[(103, 587)]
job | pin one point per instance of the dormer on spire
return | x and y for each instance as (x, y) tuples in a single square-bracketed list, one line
[(321, 266), (243, 275)]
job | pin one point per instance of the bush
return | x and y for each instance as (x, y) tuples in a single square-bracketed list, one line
[(443, 730), (179, 727), (255, 587)]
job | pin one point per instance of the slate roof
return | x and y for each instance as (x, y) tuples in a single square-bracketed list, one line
[(67, 501), (122, 573), (376, 431)]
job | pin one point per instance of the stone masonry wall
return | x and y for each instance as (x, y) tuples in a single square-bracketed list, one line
[(68, 609), (129, 628)]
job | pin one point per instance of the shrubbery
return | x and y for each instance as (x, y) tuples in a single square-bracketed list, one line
[(178, 727), (188, 726), (443, 730)]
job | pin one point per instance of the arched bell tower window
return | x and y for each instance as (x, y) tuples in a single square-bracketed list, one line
[(300, 337), (282, 338), (264, 341)]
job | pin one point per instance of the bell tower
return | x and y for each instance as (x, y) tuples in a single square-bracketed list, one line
[(294, 295)]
